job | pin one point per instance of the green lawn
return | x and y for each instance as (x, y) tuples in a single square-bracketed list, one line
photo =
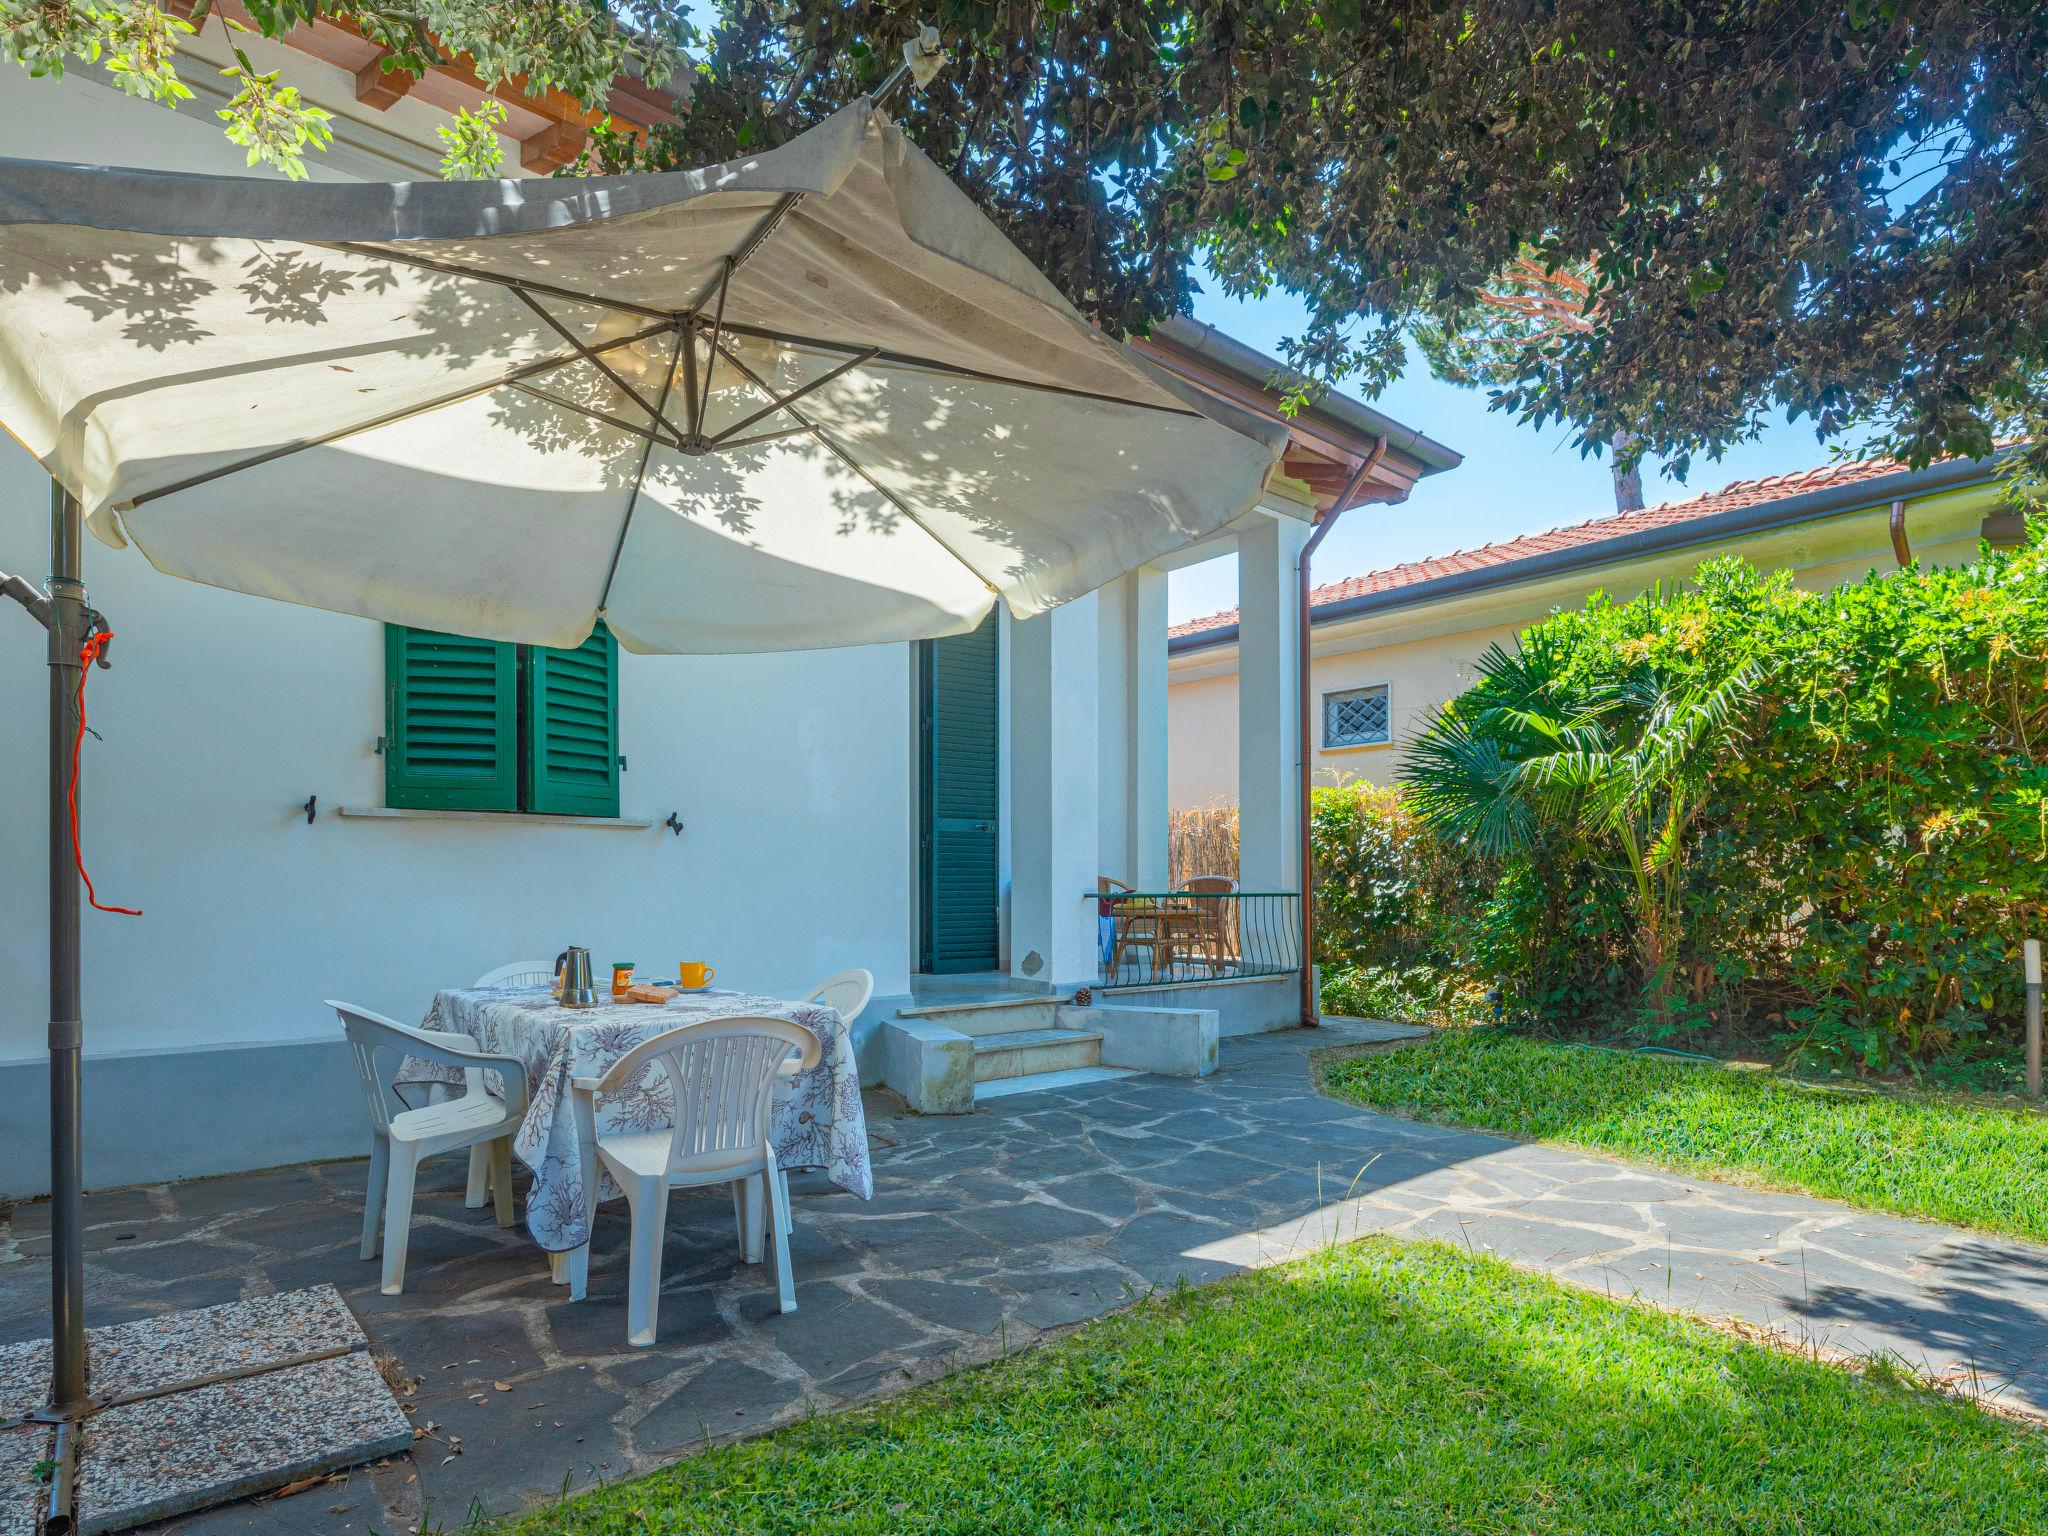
[(1377, 1388), (1981, 1164)]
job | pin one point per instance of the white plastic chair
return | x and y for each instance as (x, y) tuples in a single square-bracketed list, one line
[(846, 994), (402, 1138), (723, 1074), (520, 973)]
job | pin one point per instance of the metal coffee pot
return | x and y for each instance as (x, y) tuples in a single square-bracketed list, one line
[(578, 990)]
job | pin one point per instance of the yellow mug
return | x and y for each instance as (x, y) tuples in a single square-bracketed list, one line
[(694, 974)]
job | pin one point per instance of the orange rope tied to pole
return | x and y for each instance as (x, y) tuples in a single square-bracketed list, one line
[(88, 654)]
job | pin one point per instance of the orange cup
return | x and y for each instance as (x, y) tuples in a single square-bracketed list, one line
[(694, 974)]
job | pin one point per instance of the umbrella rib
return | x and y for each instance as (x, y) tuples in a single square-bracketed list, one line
[(599, 364), (593, 413), (640, 475), (885, 358), (787, 400), (474, 274), (765, 437), (453, 397), (825, 441), (754, 241), (711, 357)]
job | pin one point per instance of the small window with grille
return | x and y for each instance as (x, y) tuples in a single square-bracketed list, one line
[(1357, 717)]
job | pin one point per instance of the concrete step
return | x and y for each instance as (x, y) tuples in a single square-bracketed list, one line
[(1026, 1052), (1009, 1016), (1040, 1082)]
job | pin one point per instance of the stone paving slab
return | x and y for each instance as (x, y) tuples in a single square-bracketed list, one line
[(987, 1231)]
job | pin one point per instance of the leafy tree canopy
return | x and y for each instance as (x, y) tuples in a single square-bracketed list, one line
[(1840, 210)]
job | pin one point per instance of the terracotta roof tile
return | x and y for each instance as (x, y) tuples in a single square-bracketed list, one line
[(1741, 493)]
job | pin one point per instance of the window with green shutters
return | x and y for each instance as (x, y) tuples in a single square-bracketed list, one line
[(572, 735), (478, 725)]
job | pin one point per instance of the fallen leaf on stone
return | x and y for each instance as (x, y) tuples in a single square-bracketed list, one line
[(300, 1485), (502, 1386), (339, 1509)]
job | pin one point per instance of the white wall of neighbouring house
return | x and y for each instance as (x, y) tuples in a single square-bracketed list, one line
[(208, 1049), (1425, 653)]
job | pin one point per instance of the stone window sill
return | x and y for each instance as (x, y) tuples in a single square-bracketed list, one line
[(509, 818)]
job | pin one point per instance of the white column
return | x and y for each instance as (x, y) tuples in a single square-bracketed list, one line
[(1132, 716), (1054, 783), (1112, 732), (1145, 813), (1267, 684)]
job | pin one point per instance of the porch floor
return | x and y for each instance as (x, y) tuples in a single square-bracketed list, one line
[(972, 987), (1039, 1211)]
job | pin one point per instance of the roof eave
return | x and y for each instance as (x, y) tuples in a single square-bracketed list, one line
[(1811, 506), (1228, 353)]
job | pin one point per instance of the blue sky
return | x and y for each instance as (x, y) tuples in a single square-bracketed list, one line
[(1514, 480)]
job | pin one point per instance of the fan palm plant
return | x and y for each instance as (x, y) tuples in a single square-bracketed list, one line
[(1621, 761)]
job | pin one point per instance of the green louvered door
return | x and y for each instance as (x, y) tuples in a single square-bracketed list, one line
[(450, 727), (572, 742), (958, 741)]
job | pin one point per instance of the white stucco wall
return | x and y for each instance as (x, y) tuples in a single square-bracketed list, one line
[(222, 713), (1201, 736)]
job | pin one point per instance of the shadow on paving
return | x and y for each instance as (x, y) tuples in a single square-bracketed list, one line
[(1037, 1212)]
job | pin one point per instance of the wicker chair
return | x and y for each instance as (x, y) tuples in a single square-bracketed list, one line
[(1212, 933), (1135, 927)]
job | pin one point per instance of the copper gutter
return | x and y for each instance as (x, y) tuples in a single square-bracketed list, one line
[(1311, 1009), (1899, 548)]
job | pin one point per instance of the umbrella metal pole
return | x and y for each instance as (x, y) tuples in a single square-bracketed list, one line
[(67, 626)]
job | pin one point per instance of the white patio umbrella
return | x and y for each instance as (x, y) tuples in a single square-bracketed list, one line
[(809, 398), (806, 399)]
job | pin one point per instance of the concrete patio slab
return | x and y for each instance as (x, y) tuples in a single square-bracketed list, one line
[(987, 1231), (304, 1398)]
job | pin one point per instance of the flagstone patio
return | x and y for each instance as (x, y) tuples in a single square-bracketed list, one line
[(987, 1231)]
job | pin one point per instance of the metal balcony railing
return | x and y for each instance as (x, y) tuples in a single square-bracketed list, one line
[(1147, 938)]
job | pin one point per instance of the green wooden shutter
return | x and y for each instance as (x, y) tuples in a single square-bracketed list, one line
[(572, 714), (959, 727), (451, 729)]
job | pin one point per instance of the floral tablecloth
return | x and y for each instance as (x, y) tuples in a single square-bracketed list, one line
[(818, 1119)]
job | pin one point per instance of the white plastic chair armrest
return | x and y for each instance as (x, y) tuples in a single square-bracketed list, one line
[(510, 1068), (584, 1084), (514, 1071), (453, 1039)]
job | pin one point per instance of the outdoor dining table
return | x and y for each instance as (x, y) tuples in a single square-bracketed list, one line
[(818, 1121)]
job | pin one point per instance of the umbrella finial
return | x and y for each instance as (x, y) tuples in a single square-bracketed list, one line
[(923, 58)]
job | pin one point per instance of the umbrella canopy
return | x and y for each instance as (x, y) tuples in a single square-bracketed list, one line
[(804, 399)]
